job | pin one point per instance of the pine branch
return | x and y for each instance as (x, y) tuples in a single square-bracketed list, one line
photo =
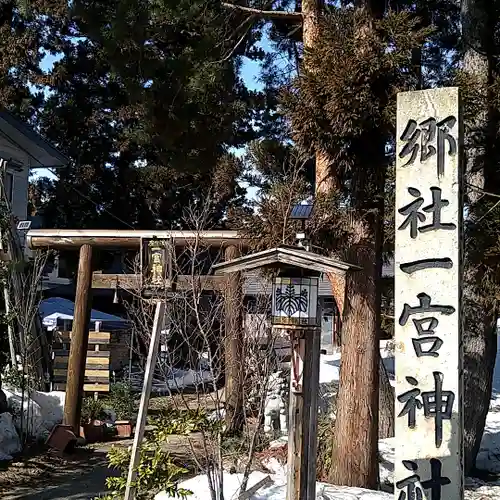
[(265, 14)]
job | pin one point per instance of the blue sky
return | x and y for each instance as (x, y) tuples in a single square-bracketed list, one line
[(250, 73)]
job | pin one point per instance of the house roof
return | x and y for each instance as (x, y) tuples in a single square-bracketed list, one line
[(39, 150), (285, 255), (57, 308)]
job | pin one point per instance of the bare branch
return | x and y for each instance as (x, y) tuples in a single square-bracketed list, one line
[(481, 190), (236, 46), (265, 14)]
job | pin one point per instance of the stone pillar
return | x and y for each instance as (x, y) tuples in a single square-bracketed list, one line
[(428, 271)]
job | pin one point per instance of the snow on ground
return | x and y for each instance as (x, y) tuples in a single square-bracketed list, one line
[(488, 458), (42, 410), (476, 490), (277, 491), (330, 364), (188, 378), (173, 381), (489, 453)]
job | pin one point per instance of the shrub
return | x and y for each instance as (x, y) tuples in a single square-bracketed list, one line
[(156, 471), (183, 422), (121, 400), (92, 409)]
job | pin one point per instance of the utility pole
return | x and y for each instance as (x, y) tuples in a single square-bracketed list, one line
[(79, 340)]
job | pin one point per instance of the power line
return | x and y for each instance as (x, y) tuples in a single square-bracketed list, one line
[(93, 202), (9, 138)]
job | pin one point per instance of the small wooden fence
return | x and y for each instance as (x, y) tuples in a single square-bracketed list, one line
[(96, 365)]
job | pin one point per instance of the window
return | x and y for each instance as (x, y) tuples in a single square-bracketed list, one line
[(67, 264), (330, 324), (50, 264), (9, 186)]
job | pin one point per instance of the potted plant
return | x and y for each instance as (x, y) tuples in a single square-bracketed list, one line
[(92, 427), (122, 402)]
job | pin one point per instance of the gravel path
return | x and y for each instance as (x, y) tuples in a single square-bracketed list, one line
[(81, 476), (81, 485), (44, 475)]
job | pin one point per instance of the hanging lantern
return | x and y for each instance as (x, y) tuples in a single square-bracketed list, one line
[(156, 263), (295, 302)]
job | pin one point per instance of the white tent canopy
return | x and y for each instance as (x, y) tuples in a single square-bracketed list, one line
[(56, 309)]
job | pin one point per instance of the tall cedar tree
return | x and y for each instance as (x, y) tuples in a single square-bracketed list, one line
[(300, 22), (147, 107), (345, 106), (480, 83), (24, 40)]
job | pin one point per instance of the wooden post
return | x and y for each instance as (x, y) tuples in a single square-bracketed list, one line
[(311, 389), (158, 323), (79, 341), (233, 346), (303, 413), (296, 418)]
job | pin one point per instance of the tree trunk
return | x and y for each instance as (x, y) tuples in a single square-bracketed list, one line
[(233, 348), (355, 439), (354, 450), (480, 348), (479, 341), (386, 392), (325, 181), (386, 404)]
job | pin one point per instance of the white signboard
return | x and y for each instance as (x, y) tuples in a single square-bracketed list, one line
[(429, 442)]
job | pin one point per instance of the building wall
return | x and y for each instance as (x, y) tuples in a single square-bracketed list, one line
[(16, 179), (257, 325), (19, 201), (11, 152)]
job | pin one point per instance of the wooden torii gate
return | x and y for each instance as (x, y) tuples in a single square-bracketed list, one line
[(85, 240)]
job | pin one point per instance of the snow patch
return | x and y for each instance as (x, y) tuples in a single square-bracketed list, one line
[(9, 438), (40, 410), (232, 482)]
